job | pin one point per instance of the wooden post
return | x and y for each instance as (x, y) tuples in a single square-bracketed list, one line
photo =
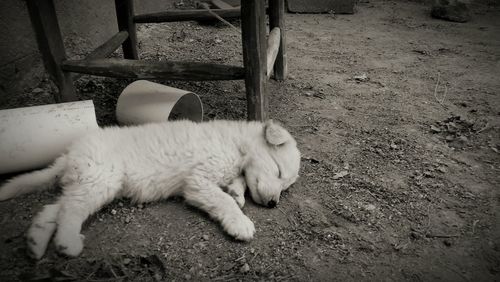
[(254, 57), (277, 19), (48, 35), (273, 45), (125, 18)]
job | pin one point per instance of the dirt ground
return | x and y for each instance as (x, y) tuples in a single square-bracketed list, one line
[(397, 117)]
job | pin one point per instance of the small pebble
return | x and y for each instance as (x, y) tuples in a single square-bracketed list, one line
[(37, 90), (113, 211), (127, 219), (370, 207), (245, 268), (140, 206), (205, 237), (126, 261)]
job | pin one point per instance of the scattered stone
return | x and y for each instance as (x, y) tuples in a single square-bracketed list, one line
[(126, 261), (127, 219), (441, 169), (140, 206), (340, 174), (120, 204), (37, 90), (245, 268), (435, 129), (113, 211), (451, 10), (370, 207), (361, 78), (205, 237), (252, 250)]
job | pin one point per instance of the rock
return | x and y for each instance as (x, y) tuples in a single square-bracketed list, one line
[(370, 207), (126, 261), (205, 237), (245, 268), (435, 129), (113, 211), (451, 10), (37, 90), (361, 78)]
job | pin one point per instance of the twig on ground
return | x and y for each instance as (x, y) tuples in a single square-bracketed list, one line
[(206, 7), (440, 101)]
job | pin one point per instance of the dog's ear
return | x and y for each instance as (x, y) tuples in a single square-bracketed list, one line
[(275, 134)]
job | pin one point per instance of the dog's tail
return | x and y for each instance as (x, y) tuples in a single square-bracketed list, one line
[(34, 181)]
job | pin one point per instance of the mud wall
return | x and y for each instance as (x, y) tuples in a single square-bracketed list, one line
[(85, 24)]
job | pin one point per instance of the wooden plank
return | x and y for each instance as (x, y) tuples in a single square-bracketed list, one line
[(186, 15), (277, 19), (48, 35), (273, 45), (254, 57), (109, 46), (122, 68), (322, 6), (125, 18), (219, 4)]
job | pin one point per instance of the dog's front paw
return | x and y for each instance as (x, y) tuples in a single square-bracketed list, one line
[(240, 200), (241, 228), (70, 245)]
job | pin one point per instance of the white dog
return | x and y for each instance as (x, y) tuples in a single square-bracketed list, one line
[(209, 164)]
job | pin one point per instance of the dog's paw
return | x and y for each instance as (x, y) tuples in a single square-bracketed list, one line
[(240, 200), (69, 245), (241, 228)]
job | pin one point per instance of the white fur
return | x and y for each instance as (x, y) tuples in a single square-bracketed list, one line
[(146, 163)]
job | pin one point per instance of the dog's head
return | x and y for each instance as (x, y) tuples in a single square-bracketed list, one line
[(273, 167)]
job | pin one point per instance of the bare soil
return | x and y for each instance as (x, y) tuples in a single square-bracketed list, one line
[(397, 117)]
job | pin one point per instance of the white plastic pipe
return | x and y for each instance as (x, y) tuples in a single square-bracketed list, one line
[(144, 102), (33, 137)]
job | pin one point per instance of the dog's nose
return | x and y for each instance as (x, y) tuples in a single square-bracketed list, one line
[(271, 204)]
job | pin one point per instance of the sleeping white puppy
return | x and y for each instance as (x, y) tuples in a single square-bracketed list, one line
[(209, 164)]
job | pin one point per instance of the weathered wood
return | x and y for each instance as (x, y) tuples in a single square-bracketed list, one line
[(273, 45), (254, 57), (277, 19), (322, 6), (186, 15), (48, 35), (109, 46), (138, 69), (219, 4), (125, 18)]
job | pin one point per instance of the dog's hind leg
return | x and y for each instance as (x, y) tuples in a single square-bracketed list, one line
[(40, 231), (78, 202), (209, 197)]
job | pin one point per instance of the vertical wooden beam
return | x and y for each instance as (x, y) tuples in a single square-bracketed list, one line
[(254, 57), (125, 18), (48, 35), (277, 19)]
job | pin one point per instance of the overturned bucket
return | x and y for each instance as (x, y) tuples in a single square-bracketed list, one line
[(145, 102), (33, 137)]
